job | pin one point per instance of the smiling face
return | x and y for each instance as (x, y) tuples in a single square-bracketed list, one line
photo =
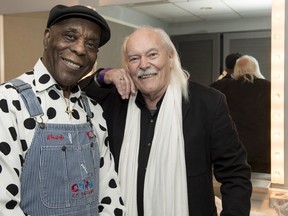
[(148, 62), (70, 50)]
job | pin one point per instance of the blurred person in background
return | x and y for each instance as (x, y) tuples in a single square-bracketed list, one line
[(230, 61), (248, 98)]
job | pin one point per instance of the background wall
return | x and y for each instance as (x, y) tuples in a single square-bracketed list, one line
[(203, 55), (23, 34)]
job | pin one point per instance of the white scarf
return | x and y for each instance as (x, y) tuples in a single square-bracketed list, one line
[(165, 187)]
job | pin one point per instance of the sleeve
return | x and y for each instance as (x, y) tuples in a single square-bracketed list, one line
[(99, 77), (11, 158), (110, 199), (229, 158), (97, 93), (96, 78)]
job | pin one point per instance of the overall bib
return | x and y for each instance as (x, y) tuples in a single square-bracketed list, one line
[(60, 175)]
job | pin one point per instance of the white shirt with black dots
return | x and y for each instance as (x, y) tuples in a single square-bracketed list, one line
[(17, 130)]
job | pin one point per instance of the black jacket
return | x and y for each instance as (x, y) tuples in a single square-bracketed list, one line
[(211, 145), (249, 105)]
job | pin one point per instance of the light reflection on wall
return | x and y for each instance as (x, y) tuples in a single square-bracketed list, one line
[(277, 90)]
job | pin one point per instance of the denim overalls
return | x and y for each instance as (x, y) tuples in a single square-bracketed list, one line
[(60, 175)]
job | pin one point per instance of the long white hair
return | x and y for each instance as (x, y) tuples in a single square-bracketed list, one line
[(248, 68), (179, 76)]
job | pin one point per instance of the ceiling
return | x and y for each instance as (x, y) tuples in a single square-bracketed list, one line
[(179, 11), (167, 11)]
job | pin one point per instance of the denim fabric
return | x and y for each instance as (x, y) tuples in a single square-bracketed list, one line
[(60, 175)]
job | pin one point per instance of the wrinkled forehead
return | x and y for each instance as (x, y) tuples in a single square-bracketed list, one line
[(144, 39)]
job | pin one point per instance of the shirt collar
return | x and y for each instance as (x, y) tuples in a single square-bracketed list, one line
[(44, 80), (140, 102)]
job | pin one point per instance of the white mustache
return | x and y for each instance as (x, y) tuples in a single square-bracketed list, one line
[(148, 71)]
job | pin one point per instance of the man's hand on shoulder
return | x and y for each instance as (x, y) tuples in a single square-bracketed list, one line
[(122, 80)]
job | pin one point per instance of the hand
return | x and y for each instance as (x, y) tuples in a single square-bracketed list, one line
[(122, 80)]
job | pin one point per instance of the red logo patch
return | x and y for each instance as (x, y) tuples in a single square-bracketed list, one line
[(90, 134), (55, 137)]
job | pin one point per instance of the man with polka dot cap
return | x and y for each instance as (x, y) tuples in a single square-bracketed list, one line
[(54, 154)]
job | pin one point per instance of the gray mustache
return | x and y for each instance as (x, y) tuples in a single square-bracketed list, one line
[(147, 71)]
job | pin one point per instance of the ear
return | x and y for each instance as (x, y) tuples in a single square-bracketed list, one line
[(47, 36)]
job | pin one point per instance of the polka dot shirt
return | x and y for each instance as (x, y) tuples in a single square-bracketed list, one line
[(17, 130)]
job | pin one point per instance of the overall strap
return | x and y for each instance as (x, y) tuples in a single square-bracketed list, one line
[(86, 104), (28, 96)]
